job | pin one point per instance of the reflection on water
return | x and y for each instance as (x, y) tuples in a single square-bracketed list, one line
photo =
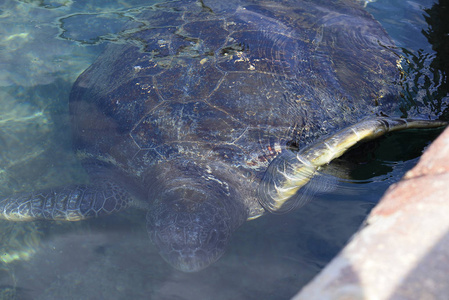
[(44, 46), (423, 40)]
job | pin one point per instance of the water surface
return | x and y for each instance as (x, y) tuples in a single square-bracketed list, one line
[(44, 46)]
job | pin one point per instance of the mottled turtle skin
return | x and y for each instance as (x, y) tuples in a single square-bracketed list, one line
[(184, 118)]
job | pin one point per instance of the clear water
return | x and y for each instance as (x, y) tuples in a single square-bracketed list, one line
[(44, 46)]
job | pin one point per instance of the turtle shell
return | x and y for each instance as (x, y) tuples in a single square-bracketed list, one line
[(202, 82)]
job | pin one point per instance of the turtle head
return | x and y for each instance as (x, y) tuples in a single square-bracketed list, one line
[(191, 224)]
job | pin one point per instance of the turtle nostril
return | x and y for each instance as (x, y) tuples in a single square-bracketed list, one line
[(212, 237)]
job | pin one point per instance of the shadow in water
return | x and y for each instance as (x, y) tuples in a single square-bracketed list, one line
[(426, 84)]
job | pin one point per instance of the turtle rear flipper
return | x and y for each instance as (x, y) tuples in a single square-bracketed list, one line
[(292, 171), (70, 203)]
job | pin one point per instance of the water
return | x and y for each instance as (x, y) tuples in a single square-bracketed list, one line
[(44, 46)]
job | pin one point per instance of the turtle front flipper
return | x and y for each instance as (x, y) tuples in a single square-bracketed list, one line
[(290, 171), (70, 203)]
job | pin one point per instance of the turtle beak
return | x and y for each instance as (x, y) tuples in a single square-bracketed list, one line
[(190, 227)]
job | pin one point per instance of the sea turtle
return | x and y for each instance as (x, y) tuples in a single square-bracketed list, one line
[(214, 113)]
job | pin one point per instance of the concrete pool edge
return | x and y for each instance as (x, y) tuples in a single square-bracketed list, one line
[(403, 251)]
